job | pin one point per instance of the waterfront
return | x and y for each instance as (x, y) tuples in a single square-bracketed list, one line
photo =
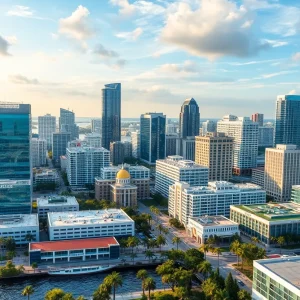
[(77, 285)]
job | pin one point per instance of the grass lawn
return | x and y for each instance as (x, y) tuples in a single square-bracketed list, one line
[(247, 270), (225, 249)]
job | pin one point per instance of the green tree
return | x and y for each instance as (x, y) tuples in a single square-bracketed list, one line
[(221, 295), (68, 296), (10, 244), (149, 254), (54, 294), (204, 248), (161, 241), (234, 247), (81, 298), (176, 240), (244, 295), (160, 228), (114, 280), (181, 292), (209, 288), (231, 287), (132, 242), (133, 256), (280, 242), (28, 291), (218, 251), (102, 293), (255, 240), (2, 243), (205, 268), (34, 266), (150, 285), (142, 275)]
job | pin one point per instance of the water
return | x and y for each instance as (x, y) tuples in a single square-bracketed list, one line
[(77, 285)]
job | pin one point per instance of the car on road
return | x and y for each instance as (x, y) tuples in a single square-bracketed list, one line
[(241, 283)]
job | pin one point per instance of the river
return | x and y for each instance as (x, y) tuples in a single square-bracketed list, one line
[(77, 285)]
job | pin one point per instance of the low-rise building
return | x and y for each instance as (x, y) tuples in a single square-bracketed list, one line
[(258, 176), (56, 203), (276, 279), (267, 221), (89, 224), (58, 252), (22, 228), (45, 176), (201, 228)]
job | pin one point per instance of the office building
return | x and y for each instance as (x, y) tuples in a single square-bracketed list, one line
[(46, 127), (282, 171), (267, 221), (127, 149), (245, 143), (18, 226), (93, 139), (38, 152), (295, 196), (56, 203), (116, 153), (111, 114), (174, 169), (215, 151), (287, 124), (186, 147), (67, 123), (171, 144), (212, 200), (43, 178), (60, 142), (123, 192), (96, 126), (15, 156), (77, 251), (135, 141), (201, 228), (153, 137), (258, 118), (276, 279), (266, 136), (258, 176), (63, 163), (189, 118), (208, 126), (89, 223), (172, 128), (85, 163)]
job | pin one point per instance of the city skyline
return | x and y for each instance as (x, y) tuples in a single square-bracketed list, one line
[(83, 45)]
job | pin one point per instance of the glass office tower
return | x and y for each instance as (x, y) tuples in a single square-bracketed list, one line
[(67, 123), (15, 158)]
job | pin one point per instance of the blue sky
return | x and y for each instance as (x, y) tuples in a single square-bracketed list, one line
[(231, 56)]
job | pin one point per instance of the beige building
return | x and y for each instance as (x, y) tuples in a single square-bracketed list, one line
[(215, 151), (123, 193), (282, 170)]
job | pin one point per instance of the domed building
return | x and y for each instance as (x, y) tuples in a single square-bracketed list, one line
[(123, 192)]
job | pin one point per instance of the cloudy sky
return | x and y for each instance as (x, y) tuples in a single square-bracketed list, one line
[(231, 56)]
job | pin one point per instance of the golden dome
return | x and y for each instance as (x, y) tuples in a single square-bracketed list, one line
[(123, 174)]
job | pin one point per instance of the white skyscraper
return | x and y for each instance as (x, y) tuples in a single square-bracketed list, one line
[(38, 152), (46, 127), (245, 143)]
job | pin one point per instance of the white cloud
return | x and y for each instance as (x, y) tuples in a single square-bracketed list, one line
[(130, 35), (125, 7), (276, 43), (296, 56), (12, 40), (4, 45), (186, 68), (20, 79), (211, 30), (292, 92), (20, 11), (102, 51), (266, 76)]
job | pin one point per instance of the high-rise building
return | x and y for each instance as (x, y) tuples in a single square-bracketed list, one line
[(67, 123), (189, 118), (245, 142), (96, 125), (266, 135), (93, 139), (215, 199), (127, 149), (209, 126), (258, 118), (135, 141), (171, 128), (171, 144), (287, 126), (116, 153), (175, 168), (282, 171), (38, 152), (15, 158), (111, 114), (85, 163), (46, 126), (60, 142), (153, 137), (186, 147), (215, 151)]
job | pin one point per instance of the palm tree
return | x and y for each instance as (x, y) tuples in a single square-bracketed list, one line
[(255, 240), (29, 237), (28, 290), (132, 242), (161, 241), (34, 266), (218, 251), (221, 295), (234, 246), (150, 285), (160, 228), (151, 243), (240, 252), (204, 248), (205, 268), (209, 287), (149, 254), (81, 298), (142, 274), (133, 256), (176, 240), (114, 280), (281, 242)]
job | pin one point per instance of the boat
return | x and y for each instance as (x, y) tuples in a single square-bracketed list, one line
[(79, 270)]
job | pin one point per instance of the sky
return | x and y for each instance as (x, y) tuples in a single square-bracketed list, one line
[(233, 57)]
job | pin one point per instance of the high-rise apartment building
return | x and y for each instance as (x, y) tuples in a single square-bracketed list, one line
[(93, 139), (258, 118), (111, 114), (135, 141), (67, 123), (116, 153), (127, 149), (189, 118), (287, 125), (186, 147), (15, 158), (245, 142), (38, 152), (60, 142), (153, 137), (266, 135), (175, 168), (282, 171), (96, 125), (209, 126), (171, 144), (85, 163), (46, 127), (215, 151)]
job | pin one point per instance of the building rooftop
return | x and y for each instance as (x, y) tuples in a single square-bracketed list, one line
[(8, 183), (213, 221), (274, 211), (285, 268), (56, 200), (86, 149), (88, 217), (12, 221), (179, 162), (74, 244)]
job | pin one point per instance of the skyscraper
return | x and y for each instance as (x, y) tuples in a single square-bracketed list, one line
[(258, 118), (46, 126), (96, 125), (67, 123), (135, 141), (15, 158), (152, 137), (60, 144), (209, 126), (111, 114), (287, 126), (189, 118)]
